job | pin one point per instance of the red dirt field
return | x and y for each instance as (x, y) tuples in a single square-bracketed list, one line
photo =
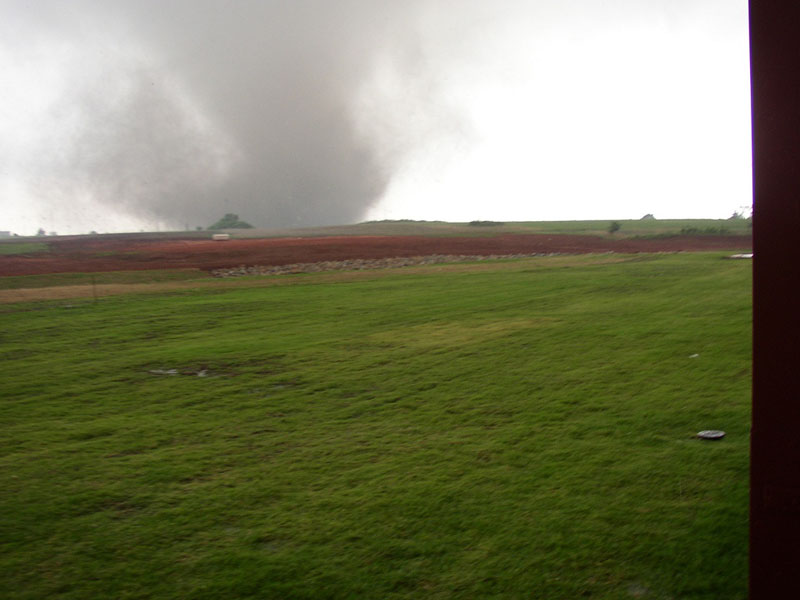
[(93, 255)]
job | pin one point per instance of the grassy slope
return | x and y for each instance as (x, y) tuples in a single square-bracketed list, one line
[(628, 228), (25, 247), (518, 432)]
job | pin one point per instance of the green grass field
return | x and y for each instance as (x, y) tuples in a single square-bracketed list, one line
[(521, 429), (628, 228)]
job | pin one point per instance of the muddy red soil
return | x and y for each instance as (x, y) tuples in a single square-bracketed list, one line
[(92, 255)]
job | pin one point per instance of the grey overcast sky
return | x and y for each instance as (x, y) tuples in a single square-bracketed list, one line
[(121, 115)]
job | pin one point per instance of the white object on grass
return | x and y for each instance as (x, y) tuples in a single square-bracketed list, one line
[(711, 434)]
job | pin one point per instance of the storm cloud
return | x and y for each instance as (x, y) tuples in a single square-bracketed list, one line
[(177, 112)]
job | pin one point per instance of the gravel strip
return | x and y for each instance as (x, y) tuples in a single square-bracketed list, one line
[(361, 264)]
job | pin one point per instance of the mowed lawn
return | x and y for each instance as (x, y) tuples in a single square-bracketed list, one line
[(514, 429)]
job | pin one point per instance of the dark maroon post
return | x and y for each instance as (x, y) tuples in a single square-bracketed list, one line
[(775, 436)]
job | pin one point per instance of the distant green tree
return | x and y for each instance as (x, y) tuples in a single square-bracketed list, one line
[(485, 223), (648, 217), (614, 227), (41, 231), (230, 221)]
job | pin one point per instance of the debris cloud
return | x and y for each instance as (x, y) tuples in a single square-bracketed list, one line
[(178, 112)]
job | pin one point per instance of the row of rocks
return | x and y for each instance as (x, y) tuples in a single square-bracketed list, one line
[(361, 264)]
